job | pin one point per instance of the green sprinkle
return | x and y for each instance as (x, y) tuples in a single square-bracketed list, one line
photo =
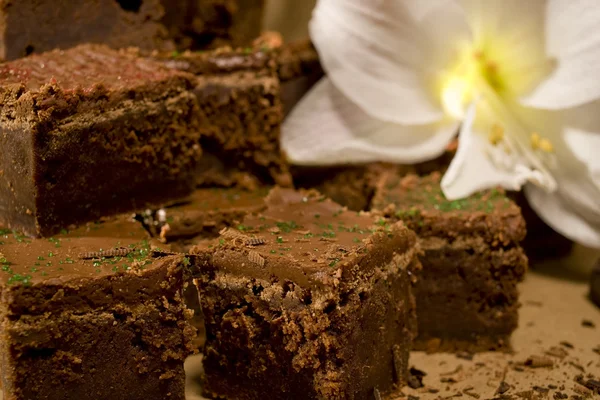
[(279, 239)]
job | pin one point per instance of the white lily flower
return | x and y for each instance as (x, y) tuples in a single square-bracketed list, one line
[(520, 79)]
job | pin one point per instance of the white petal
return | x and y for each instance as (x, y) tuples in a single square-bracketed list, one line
[(326, 128), (379, 53), (473, 168), (573, 38), (558, 213)]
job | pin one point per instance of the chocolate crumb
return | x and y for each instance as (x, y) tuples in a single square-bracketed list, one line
[(556, 351), (541, 389), (503, 388), (415, 378), (578, 366), (538, 362), (560, 396), (448, 380), (591, 384), (468, 392), (588, 324), (567, 344), (410, 397), (553, 387)]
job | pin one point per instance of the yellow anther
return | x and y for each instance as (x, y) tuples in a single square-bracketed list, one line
[(535, 140), (546, 146), (496, 134)]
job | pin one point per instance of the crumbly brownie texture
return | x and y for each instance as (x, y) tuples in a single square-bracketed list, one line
[(91, 315), (204, 214), (113, 131), (307, 301), (595, 284), (240, 113), (466, 293)]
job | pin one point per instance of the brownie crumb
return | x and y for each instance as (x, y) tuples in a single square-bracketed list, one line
[(468, 392), (415, 378), (586, 323), (538, 362), (541, 389), (503, 388), (591, 384)]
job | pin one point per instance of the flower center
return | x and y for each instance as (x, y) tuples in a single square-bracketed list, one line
[(459, 86)]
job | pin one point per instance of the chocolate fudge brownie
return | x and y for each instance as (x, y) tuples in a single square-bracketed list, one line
[(28, 26), (307, 301), (92, 313), (595, 284), (89, 132), (466, 293), (240, 113)]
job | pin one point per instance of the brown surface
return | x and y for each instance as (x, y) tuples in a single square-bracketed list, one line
[(29, 26), (133, 138), (107, 327), (297, 314), (466, 293), (554, 306)]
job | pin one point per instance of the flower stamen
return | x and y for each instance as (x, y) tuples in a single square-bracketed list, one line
[(540, 143), (496, 134)]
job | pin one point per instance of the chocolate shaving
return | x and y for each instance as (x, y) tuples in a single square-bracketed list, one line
[(255, 242), (567, 344), (120, 252), (256, 258)]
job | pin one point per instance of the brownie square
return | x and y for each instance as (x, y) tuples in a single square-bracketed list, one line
[(89, 132), (84, 314), (466, 293), (307, 301), (42, 25)]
